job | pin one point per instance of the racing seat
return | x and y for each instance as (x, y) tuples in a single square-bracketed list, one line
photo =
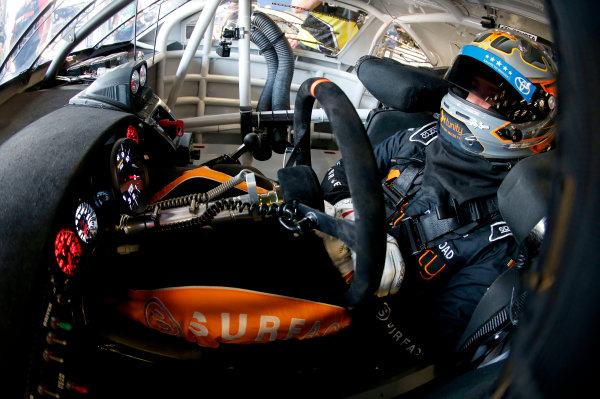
[(523, 202), (408, 96)]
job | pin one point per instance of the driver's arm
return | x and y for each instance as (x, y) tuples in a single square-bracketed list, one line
[(335, 185), (336, 194)]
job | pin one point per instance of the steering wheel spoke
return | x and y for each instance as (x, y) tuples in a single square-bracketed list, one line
[(344, 230)]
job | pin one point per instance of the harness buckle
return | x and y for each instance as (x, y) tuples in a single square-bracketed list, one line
[(412, 230), (393, 198)]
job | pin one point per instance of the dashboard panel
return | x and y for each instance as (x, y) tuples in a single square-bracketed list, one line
[(129, 173), (85, 241)]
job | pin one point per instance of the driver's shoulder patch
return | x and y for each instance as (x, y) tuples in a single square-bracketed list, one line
[(425, 134), (499, 230)]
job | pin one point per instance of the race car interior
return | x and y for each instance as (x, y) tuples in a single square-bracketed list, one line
[(128, 217), (136, 216), (128, 214)]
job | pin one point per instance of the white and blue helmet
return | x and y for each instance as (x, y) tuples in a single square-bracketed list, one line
[(503, 102)]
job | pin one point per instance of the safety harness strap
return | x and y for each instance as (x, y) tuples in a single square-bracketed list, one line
[(427, 230), (398, 186), (405, 181)]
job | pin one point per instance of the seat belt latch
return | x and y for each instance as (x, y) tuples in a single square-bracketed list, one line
[(412, 230), (393, 198)]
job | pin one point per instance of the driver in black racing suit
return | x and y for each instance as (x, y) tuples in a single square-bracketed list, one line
[(447, 242)]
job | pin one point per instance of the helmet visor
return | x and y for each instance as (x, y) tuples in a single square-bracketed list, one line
[(480, 80), (502, 88)]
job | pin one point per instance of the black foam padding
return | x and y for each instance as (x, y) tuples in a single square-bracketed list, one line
[(29, 106), (36, 167), (523, 196), (302, 184), (498, 295), (400, 86), (383, 123)]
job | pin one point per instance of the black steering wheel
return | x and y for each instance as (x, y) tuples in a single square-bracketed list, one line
[(366, 235)]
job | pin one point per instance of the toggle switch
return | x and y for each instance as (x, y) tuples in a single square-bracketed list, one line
[(53, 339), (72, 387), (50, 357), (42, 390), (57, 324)]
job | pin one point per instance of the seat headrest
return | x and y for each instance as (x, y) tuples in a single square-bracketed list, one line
[(400, 86), (524, 194)]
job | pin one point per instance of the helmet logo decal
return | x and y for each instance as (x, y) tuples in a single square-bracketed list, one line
[(478, 125), (512, 76), (453, 128), (457, 130), (446, 123), (524, 86)]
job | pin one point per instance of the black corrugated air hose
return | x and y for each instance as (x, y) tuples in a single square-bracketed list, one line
[(285, 68), (265, 47), (280, 96)]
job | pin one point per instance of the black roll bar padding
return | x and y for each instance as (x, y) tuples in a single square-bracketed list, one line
[(362, 173)]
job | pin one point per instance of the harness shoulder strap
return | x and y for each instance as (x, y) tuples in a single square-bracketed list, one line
[(398, 185)]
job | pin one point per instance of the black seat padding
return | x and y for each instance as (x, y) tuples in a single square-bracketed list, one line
[(524, 193), (523, 201), (403, 87), (382, 123), (497, 311)]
